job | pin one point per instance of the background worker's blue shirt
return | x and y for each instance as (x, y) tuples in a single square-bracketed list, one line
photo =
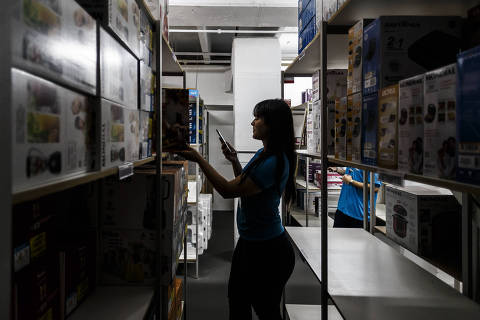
[(258, 217), (351, 198)]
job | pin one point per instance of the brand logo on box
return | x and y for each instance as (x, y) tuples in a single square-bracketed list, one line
[(389, 91)]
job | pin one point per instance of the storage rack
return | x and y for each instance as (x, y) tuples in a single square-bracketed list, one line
[(346, 263), (105, 302)]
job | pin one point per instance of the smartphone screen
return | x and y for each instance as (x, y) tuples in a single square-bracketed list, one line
[(223, 140)]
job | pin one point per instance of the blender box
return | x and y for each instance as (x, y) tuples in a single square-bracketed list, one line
[(355, 126), (468, 113), (53, 131), (132, 135), (369, 129), (118, 72), (424, 220), (355, 45), (440, 119), (410, 125), (341, 128), (145, 140), (336, 84), (56, 40), (112, 133), (147, 87), (388, 127), (398, 47)]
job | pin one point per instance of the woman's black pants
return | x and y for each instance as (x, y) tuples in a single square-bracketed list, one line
[(260, 270)]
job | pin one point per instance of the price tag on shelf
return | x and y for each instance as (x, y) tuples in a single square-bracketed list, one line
[(125, 170), (395, 178)]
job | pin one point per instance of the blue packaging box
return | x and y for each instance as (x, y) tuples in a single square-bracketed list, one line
[(302, 4), (371, 57), (468, 113), (306, 15), (307, 35), (369, 129)]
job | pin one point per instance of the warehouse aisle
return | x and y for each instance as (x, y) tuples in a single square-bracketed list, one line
[(207, 296)]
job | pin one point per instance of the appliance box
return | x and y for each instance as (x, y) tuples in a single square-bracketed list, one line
[(468, 114), (124, 20), (113, 134), (175, 111), (348, 136), (398, 47), (118, 72), (57, 40), (307, 35), (369, 129), (144, 136), (132, 133), (306, 15), (329, 9), (147, 87), (146, 40), (341, 128), (387, 127), (423, 220), (410, 125), (53, 131), (355, 58), (331, 127), (356, 126), (440, 123), (336, 84)]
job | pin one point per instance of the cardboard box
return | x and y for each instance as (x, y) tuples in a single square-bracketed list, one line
[(146, 40), (341, 128), (355, 127), (147, 87), (113, 134), (398, 47), (336, 84), (53, 131), (57, 40), (132, 135), (388, 127), (124, 20), (369, 129), (145, 140), (349, 133), (118, 72), (468, 114), (410, 125), (306, 15), (329, 9), (424, 220), (440, 118), (355, 67), (306, 35), (175, 126)]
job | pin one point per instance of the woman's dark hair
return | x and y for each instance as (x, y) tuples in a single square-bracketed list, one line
[(277, 116)]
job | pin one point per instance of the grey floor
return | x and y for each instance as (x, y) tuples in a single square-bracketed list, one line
[(207, 296)]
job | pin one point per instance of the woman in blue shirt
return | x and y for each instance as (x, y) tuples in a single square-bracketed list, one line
[(263, 258)]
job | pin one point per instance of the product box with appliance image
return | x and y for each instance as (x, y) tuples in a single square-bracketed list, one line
[(440, 118), (307, 14), (349, 133), (145, 135), (146, 40), (118, 72), (369, 129), (175, 106), (398, 47), (113, 134), (53, 133), (147, 87), (425, 220), (355, 127), (306, 35), (132, 135), (355, 45), (341, 128), (410, 125), (329, 9), (57, 40), (468, 113), (388, 127), (336, 85)]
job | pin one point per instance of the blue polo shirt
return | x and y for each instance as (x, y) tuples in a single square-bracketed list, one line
[(351, 198), (258, 217)]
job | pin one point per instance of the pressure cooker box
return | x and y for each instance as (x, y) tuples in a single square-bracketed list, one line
[(56, 40), (398, 47), (468, 115), (423, 219), (355, 126), (388, 127), (53, 131), (369, 129), (410, 125), (440, 123), (341, 128)]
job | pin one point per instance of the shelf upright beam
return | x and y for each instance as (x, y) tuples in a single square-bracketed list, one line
[(365, 200), (467, 260), (324, 193), (373, 216), (6, 162), (184, 76)]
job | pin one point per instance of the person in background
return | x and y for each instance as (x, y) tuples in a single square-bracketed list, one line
[(349, 212), (263, 259)]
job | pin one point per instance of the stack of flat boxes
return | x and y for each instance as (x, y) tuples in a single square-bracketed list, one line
[(307, 21)]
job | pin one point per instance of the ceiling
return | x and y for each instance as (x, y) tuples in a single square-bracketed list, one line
[(202, 32)]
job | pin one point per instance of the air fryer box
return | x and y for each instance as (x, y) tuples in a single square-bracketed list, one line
[(388, 127), (468, 114), (112, 133), (398, 47), (369, 129), (57, 40), (410, 125), (424, 220), (118, 72), (341, 128), (355, 103), (53, 131), (439, 127), (355, 45)]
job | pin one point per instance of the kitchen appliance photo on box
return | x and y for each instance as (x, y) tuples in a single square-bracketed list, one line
[(369, 129), (355, 126), (468, 130), (355, 58), (113, 122), (410, 125), (175, 128), (398, 47), (440, 118), (387, 127), (341, 128)]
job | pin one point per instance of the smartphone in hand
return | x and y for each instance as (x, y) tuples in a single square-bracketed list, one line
[(223, 140)]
